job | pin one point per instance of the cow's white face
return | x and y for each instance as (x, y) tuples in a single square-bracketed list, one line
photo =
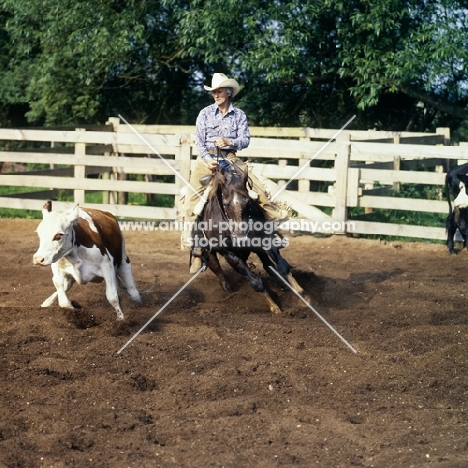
[(461, 201), (55, 235)]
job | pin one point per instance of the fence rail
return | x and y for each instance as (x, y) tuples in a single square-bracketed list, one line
[(361, 169)]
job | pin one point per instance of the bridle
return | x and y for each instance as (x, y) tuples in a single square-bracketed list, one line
[(236, 171)]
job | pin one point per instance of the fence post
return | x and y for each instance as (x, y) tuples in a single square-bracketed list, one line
[(80, 170), (105, 193), (111, 197), (396, 163), (446, 132), (185, 159), (340, 212), (303, 185), (282, 163)]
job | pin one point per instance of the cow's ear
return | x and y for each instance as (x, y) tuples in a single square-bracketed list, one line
[(74, 213), (47, 207)]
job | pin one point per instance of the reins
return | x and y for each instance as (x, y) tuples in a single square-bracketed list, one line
[(234, 167)]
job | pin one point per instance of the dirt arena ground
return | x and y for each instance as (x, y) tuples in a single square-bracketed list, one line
[(217, 380)]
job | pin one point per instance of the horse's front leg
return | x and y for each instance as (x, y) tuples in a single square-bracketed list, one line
[(255, 282), (215, 267)]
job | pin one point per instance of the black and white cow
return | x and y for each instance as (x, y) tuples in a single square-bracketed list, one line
[(456, 186), (84, 245)]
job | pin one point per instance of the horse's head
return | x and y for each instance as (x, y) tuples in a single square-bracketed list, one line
[(230, 186)]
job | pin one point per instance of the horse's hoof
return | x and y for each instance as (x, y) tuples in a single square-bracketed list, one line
[(306, 298), (227, 287), (275, 310)]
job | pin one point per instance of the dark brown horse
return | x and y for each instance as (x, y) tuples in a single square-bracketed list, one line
[(234, 225)]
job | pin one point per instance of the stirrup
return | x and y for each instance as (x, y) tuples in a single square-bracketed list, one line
[(196, 252)]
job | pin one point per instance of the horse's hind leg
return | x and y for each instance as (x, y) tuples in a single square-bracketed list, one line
[(298, 288), (255, 282), (215, 267), (283, 268), (272, 304)]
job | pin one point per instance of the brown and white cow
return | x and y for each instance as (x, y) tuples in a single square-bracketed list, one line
[(84, 245)]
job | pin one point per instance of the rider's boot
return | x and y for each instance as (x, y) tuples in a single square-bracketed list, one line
[(196, 260)]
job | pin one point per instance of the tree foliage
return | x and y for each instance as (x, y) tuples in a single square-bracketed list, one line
[(76, 61), (397, 64)]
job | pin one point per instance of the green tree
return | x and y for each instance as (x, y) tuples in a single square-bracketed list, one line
[(11, 104), (77, 61), (415, 49), (399, 64)]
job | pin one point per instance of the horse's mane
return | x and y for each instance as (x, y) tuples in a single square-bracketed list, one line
[(229, 178), (225, 183), (224, 179)]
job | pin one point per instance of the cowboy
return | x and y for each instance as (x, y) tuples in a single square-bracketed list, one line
[(221, 130)]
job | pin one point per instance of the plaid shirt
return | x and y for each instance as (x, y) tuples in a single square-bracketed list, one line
[(212, 124)]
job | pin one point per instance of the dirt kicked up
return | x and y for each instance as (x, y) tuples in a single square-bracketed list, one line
[(217, 380)]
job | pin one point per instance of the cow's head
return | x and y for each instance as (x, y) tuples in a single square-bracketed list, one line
[(55, 234), (461, 201)]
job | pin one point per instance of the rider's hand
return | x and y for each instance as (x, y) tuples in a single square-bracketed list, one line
[(223, 142), (211, 164)]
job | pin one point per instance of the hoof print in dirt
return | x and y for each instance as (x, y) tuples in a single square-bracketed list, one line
[(299, 312), (143, 383), (356, 419), (79, 443), (81, 319), (124, 327)]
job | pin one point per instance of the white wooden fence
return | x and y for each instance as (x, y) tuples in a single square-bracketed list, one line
[(338, 175)]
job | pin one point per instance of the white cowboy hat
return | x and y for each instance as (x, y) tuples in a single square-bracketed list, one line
[(220, 80)]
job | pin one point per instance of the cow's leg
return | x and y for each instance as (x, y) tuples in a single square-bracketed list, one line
[(110, 277), (451, 229), (62, 282), (255, 282), (125, 274), (50, 300), (62, 296), (215, 267), (464, 232)]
